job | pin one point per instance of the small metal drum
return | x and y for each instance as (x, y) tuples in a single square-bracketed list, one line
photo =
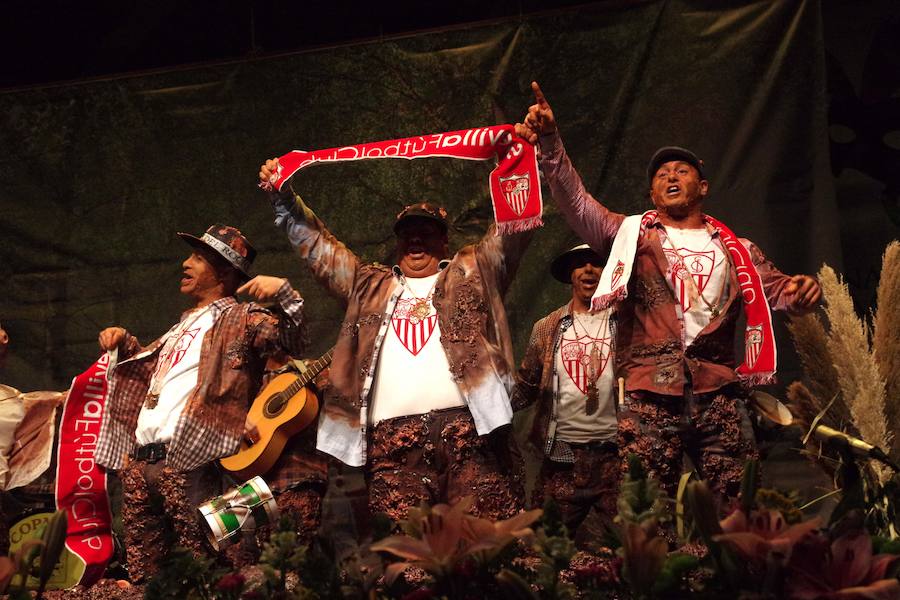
[(243, 508)]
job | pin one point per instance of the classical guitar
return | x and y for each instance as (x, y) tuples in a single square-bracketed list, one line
[(284, 408)]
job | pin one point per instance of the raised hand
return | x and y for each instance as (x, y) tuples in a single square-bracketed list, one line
[(268, 172), (539, 120), (111, 337), (262, 287)]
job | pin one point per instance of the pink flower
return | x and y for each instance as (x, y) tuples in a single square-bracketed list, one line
[(844, 569), (764, 532)]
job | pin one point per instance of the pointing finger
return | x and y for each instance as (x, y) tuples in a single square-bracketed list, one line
[(539, 95), (244, 289)]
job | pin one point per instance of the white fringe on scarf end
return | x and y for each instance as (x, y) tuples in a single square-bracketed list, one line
[(519, 225)]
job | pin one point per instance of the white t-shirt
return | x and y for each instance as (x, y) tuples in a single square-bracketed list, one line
[(585, 352), (413, 375), (694, 252), (175, 378)]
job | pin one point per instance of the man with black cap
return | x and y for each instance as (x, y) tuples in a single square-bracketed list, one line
[(178, 404), (687, 278), (423, 363), (568, 371)]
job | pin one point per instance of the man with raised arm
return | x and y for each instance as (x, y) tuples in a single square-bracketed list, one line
[(180, 403), (687, 279), (423, 363)]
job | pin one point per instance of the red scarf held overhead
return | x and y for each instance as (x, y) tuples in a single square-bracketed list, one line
[(514, 184)]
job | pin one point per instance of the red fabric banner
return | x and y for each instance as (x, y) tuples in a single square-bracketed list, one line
[(514, 184), (80, 482)]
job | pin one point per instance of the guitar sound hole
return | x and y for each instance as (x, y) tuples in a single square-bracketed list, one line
[(275, 405)]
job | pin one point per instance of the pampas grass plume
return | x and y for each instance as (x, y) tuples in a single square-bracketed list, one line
[(886, 337), (858, 375), (811, 343)]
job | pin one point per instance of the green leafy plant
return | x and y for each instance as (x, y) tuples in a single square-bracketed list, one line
[(184, 576), (554, 550), (641, 509), (16, 568)]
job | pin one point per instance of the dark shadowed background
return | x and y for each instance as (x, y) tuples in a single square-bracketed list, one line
[(168, 108)]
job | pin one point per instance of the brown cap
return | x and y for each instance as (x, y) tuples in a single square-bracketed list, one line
[(228, 242), (423, 210)]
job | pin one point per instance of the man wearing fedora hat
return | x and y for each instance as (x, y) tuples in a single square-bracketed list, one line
[(568, 372), (687, 279), (178, 404), (423, 363)]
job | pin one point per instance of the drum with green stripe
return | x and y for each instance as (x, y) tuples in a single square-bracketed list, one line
[(243, 508)]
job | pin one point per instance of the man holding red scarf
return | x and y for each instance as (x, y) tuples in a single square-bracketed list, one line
[(178, 404), (423, 363), (689, 277)]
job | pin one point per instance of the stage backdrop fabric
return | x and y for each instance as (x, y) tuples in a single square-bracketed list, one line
[(96, 177)]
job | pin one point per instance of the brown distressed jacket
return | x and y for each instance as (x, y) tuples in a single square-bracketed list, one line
[(468, 298), (232, 359), (534, 383), (650, 353)]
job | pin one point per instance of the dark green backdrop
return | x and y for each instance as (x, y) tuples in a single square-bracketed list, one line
[(96, 177)]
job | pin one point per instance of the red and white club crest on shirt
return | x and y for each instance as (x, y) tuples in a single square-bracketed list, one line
[(167, 360), (698, 265), (412, 331), (576, 358)]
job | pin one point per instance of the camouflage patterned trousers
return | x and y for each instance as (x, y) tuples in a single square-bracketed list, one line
[(590, 483), (439, 457), (712, 429), (159, 511)]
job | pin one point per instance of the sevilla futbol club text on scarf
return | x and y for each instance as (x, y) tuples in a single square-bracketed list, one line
[(760, 353), (515, 189), (81, 482)]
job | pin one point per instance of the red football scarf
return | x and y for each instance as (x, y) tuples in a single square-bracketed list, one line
[(515, 189), (80, 482), (760, 353)]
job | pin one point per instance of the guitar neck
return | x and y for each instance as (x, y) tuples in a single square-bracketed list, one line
[(311, 372)]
